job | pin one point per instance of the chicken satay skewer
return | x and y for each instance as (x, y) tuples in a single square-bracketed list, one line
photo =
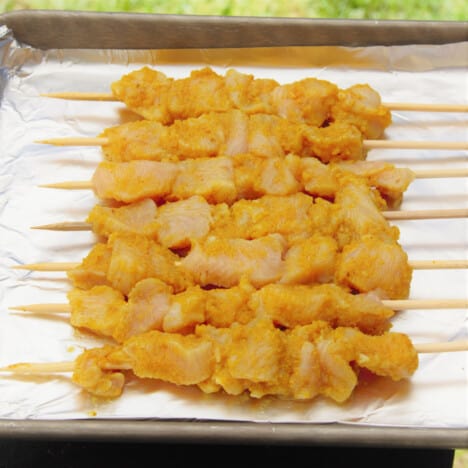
[(225, 180), (128, 259), (151, 305), (392, 106), (291, 363), (416, 173)]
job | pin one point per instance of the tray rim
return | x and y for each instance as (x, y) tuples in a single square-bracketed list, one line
[(137, 30), (204, 431), (235, 432)]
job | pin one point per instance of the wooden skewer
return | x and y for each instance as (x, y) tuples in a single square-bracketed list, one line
[(66, 226), (415, 264), (418, 107), (448, 347), (367, 144), (410, 106), (58, 266), (76, 141), (79, 96), (438, 264), (426, 214), (25, 368), (439, 173), (397, 304), (415, 304), (43, 308), (39, 368), (431, 145)]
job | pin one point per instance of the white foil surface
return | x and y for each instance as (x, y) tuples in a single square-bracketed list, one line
[(436, 396)]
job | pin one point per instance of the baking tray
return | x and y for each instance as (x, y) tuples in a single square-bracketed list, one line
[(54, 29)]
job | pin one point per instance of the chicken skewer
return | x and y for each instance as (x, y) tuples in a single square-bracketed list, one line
[(153, 95), (234, 133), (110, 391), (300, 363), (152, 305), (224, 180), (369, 264), (156, 97), (200, 219)]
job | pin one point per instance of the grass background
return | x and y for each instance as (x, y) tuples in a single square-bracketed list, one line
[(451, 10)]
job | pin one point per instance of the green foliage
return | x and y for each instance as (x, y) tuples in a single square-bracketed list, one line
[(357, 9)]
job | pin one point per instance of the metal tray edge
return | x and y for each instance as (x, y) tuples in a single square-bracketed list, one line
[(227, 432), (46, 29)]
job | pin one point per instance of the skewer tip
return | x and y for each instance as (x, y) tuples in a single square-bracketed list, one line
[(65, 226), (39, 368), (69, 185)]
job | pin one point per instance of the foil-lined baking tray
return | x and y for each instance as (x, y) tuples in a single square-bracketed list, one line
[(430, 410)]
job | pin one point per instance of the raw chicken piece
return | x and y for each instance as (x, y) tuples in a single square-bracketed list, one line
[(211, 178), (310, 260), (178, 223), (99, 309), (136, 257), (389, 181), (93, 269), (361, 106), (225, 262), (308, 100), (147, 306), (137, 218), (360, 213), (130, 182), (374, 264), (257, 176)]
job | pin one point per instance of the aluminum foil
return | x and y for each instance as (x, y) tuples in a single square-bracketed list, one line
[(436, 396)]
